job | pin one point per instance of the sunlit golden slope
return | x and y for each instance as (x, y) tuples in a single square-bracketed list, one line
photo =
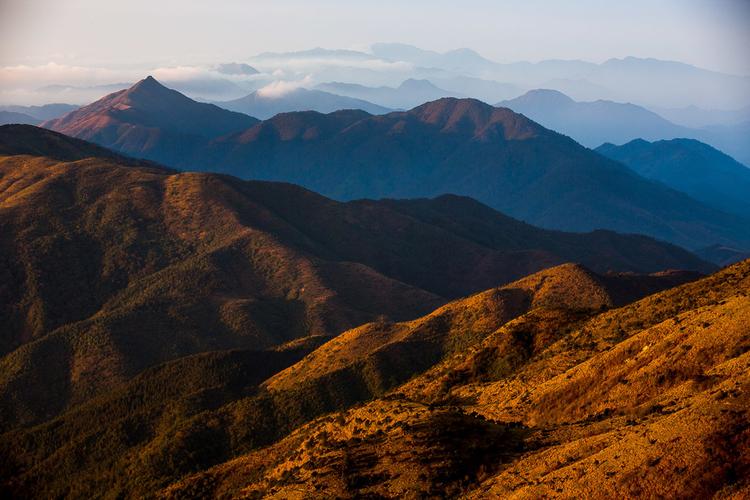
[(147, 315), (647, 400)]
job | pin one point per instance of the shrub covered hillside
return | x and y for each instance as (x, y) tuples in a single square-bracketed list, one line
[(648, 400), (160, 428), (190, 334)]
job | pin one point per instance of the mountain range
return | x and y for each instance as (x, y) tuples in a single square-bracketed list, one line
[(598, 122), (553, 398), (12, 117), (149, 120), (33, 115), (219, 337), (263, 104), (706, 174), (113, 265), (647, 81), (685, 94), (409, 94), (460, 146), (695, 117), (593, 123)]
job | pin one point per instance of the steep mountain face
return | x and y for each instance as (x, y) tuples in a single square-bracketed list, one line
[(697, 169), (264, 105), (641, 400), (112, 265), (150, 121), (220, 406), (593, 123), (459, 146)]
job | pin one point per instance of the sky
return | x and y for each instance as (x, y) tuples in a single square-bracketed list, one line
[(66, 50), (708, 33)]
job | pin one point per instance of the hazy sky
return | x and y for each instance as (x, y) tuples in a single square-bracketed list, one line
[(714, 34)]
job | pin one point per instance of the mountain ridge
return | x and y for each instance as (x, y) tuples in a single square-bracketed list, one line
[(690, 166), (266, 106), (553, 401), (213, 336), (451, 145), (99, 243), (150, 120)]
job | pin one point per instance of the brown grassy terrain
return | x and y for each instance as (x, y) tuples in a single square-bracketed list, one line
[(109, 266), (647, 400), (193, 333)]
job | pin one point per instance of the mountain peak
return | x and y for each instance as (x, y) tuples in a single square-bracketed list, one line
[(450, 109), (416, 84), (148, 106), (475, 117), (454, 103), (148, 84), (546, 97), (236, 69)]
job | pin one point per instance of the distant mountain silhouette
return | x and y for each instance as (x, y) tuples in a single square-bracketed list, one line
[(593, 123), (263, 106), (42, 113), (695, 117), (151, 121), (479, 88), (697, 169), (460, 146), (722, 255), (461, 60), (731, 139), (8, 117), (208, 89), (647, 81), (236, 69), (407, 95), (670, 83)]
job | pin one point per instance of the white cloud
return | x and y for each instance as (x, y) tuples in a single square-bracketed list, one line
[(24, 76), (308, 64), (29, 84), (280, 88)]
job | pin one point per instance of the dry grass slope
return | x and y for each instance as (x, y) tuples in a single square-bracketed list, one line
[(165, 323), (647, 400)]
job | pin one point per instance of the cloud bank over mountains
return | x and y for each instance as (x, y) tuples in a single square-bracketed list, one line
[(465, 72)]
